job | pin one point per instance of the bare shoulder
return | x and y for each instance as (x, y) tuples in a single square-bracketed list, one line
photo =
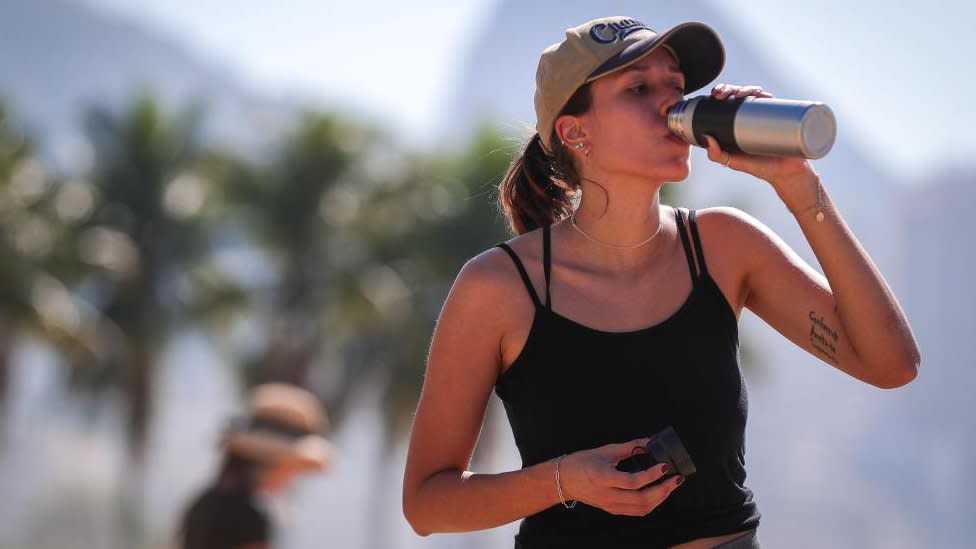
[(727, 218), (492, 276), (734, 229), (492, 272), (734, 243), (488, 308)]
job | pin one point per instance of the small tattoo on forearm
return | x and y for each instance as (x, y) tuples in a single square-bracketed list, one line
[(823, 337)]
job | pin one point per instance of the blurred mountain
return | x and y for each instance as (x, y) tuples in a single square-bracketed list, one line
[(58, 57), (822, 446)]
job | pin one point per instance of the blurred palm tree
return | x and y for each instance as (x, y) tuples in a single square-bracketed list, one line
[(415, 222), (146, 245), (38, 215), (305, 301), (364, 241), (451, 203), (19, 186)]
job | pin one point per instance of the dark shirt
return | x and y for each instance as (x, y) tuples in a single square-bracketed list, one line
[(224, 519), (574, 387)]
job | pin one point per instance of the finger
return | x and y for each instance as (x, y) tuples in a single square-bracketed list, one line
[(711, 143), (638, 480), (747, 91), (625, 502), (661, 490), (654, 496), (715, 152), (636, 503), (729, 91), (722, 91), (650, 475), (618, 451)]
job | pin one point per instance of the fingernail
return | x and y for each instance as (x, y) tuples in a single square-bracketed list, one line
[(679, 481), (665, 469)]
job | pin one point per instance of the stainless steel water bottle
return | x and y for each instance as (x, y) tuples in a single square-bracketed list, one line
[(757, 125)]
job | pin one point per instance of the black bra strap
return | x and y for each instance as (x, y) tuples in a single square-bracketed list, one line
[(521, 269), (697, 239), (684, 242), (547, 261)]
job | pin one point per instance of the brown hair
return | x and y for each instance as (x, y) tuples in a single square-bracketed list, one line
[(538, 187)]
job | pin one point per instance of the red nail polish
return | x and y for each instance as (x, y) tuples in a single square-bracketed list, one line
[(679, 481), (665, 469)]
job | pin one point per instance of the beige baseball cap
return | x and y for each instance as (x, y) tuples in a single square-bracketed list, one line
[(601, 46)]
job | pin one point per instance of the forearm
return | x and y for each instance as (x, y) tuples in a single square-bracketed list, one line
[(866, 308), (451, 501)]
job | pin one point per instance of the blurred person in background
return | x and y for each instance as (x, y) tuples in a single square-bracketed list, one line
[(263, 453), (612, 316)]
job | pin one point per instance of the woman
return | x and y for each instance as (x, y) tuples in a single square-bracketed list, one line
[(263, 454), (601, 325)]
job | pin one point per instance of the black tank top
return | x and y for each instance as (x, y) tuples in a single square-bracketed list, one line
[(573, 387)]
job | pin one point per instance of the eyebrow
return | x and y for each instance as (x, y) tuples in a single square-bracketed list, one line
[(638, 67)]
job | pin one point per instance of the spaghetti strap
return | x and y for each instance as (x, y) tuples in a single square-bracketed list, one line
[(547, 261), (684, 242), (698, 247), (521, 269)]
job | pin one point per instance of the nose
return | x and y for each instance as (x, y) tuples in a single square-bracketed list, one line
[(668, 101)]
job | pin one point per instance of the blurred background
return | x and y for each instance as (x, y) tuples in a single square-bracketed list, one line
[(198, 196)]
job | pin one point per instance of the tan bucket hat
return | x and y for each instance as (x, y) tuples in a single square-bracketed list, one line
[(283, 422), (601, 46)]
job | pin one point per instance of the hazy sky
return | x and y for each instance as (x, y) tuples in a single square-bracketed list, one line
[(909, 102)]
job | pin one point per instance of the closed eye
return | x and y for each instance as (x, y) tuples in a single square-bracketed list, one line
[(639, 89), (644, 89)]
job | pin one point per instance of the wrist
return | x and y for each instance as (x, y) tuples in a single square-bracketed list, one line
[(559, 478), (802, 195)]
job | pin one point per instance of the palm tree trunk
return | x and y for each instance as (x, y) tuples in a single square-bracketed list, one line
[(140, 396)]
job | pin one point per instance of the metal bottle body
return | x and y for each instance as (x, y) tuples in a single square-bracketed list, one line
[(757, 125)]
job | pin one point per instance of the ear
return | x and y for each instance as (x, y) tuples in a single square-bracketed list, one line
[(570, 129)]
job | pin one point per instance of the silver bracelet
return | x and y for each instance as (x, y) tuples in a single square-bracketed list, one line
[(818, 205), (559, 488)]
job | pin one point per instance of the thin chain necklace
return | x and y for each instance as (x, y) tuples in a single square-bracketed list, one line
[(572, 221)]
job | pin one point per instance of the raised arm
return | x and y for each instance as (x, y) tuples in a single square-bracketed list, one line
[(848, 318)]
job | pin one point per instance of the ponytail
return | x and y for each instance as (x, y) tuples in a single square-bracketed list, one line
[(530, 194), (539, 187)]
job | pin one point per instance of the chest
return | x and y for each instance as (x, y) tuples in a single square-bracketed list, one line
[(576, 388)]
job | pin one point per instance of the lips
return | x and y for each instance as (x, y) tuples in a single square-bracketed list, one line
[(675, 139)]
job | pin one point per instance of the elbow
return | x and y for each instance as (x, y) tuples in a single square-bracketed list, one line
[(901, 374), (415, 517)]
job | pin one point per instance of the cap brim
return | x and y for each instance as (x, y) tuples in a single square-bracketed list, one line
[(701, 55), (312, 451)]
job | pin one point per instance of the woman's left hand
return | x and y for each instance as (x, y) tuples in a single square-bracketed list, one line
[(773, 169)]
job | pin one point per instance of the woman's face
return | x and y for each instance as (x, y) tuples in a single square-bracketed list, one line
[(626, 127)]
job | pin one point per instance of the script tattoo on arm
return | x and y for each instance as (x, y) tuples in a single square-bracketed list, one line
[(823, 337)]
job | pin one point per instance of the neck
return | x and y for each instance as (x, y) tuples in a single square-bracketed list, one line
[(616, 215), (621, 217)]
